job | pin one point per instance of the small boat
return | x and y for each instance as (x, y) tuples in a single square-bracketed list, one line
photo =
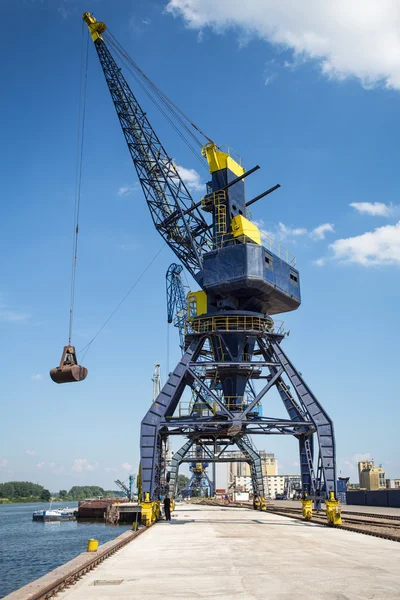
[(54, 514)]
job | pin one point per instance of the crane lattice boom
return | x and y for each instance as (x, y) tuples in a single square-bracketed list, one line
[(173, 210)]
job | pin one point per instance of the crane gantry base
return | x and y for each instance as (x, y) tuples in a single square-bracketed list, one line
[(213, 421)]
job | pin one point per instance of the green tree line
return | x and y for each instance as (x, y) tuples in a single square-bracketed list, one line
[(26, 491), (23, 491)]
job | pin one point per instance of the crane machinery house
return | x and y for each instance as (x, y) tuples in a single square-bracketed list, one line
[(240, 273)]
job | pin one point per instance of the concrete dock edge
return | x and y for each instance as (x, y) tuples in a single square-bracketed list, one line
[(68, 573)]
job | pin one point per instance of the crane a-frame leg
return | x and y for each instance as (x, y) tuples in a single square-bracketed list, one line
[(219, 419)]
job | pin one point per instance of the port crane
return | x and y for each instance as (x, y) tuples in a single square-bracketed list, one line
[(127, 489), (199, 482), (232, 343)]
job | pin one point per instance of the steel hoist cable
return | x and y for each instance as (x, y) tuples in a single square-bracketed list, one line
[(69, 370), (78, 181), (85, 349), (157, 97)]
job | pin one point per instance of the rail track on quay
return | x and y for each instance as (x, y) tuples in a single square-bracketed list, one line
[(382, 526)]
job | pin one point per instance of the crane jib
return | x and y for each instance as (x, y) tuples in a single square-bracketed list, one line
[(173, 210)]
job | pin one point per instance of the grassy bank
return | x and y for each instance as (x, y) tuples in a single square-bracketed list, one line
[(20, 500)]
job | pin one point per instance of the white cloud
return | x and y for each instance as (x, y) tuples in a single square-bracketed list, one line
[(269, 71), (357, 38), (127, 190), (352, 463), (372, 208), (191, 178), (285, 232), (37, 377), (30, 452), (40, 465), (82, 464), (319, 262), (3, 463), (378, 247), (127, 467), (63, 12), (265, 235), (319, 232), (269, 79)]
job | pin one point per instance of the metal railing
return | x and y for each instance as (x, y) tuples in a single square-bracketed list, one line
[(232, 403), (230, 323), (273, 246)]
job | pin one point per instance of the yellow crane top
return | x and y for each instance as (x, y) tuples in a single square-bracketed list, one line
[(96, 28)]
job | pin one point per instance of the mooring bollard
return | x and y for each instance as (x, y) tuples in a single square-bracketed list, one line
[(92, 545)]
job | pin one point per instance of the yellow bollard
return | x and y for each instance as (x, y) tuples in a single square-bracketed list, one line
[(307, 508), (92, 545), (333, 510)]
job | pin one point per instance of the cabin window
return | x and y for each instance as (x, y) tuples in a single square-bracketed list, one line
[(192, 308), (269, 263), (294, 277)]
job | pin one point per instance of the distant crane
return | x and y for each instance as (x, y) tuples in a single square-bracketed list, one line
[(127, 489), (199, 482), (156, 379)]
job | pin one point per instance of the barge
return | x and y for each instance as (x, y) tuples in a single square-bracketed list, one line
[(54, 514)]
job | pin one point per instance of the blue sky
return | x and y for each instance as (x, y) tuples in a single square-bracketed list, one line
[(307, 101)]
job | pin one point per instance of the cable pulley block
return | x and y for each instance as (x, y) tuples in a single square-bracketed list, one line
[(68, 371)]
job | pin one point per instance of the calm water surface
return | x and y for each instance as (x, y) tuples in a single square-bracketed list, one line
[(30, 549)]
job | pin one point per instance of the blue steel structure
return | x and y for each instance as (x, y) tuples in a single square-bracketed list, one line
[(232, 343), (199, 483), (176, 301), (177, 306)]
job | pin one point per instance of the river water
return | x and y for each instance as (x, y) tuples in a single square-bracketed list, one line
[(30, 549)]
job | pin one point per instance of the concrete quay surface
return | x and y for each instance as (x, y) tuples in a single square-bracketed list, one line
[(227, 553)]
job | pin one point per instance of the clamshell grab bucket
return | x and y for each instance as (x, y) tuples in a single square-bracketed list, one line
[(68, 371)]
